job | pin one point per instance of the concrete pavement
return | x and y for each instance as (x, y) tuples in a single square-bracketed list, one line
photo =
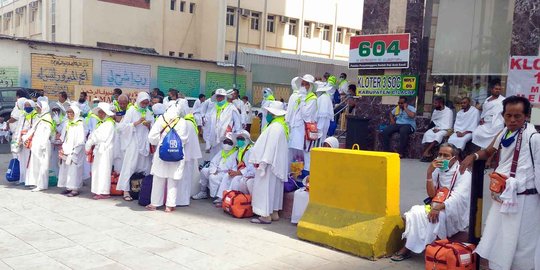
[(45, 230)]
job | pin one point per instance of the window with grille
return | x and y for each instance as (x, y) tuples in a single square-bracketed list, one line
[(173, 4), (307, 29), (270, 22), (230, 17), (255, 18), (326, 33), (339, 35), (292, 27), (191, 8), (182, 6)]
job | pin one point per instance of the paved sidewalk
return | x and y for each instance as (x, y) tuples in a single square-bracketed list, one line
[(45, 230)]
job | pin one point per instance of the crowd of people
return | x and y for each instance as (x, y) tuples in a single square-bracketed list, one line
[(159, 136)]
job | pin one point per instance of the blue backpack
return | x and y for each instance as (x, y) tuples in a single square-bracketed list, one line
[(171, 149), (13, 173)]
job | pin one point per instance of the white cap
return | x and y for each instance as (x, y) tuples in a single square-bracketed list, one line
[(105, 107), (275, 108)]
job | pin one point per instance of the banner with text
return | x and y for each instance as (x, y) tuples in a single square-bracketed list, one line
[(187, 81), (380, 51), (104, 93), (54, 73), (524, 78), (9, 76), (387, 85), (117, 74)]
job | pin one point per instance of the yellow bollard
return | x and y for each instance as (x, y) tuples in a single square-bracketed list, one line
[(354, 202)]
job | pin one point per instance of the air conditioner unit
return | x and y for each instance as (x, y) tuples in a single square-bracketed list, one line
[(283, 19), (19, 10), (33, 5), (245, 13), (320, 25)]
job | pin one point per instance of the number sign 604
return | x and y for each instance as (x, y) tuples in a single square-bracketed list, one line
[(379, 48)]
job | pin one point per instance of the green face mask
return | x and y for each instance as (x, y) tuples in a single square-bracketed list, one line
[(241, 143), (269, 118), (221, 103)]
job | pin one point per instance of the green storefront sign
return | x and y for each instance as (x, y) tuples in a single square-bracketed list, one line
[(387, 85)]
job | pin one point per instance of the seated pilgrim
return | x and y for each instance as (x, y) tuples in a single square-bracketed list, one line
[(442, 214)]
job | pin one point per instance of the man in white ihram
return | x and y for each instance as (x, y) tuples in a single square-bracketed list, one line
[(447, 213), (466, 122), (442, 119), (491, 120)]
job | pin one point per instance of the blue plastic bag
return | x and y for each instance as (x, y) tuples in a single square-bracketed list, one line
[(13, 173)]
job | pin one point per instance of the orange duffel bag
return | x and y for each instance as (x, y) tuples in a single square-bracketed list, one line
[(443, 255), (114, 182), (237, 204)]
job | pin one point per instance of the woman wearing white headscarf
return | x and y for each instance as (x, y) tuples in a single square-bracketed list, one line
[(71, 152), (27, 117), (137, 158), (39, 138), (167, 172), (103, 140)]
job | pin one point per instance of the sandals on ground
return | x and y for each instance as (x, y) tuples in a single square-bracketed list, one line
[(260, 221), (400, 257)]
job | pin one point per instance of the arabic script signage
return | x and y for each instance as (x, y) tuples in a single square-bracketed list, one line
[(125, 75), (187, 81), (9, 76), (54, 73), (104, 93)]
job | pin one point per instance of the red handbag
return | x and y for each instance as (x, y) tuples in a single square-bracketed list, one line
[(312, 133)]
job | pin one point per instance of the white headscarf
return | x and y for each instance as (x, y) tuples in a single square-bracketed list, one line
[(76, 110), (20, 103), (29, 101), (159, 109), (142, 96), (43, 104)]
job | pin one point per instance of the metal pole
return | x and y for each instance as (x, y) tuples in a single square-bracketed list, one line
[(475, 215), (236, 44)]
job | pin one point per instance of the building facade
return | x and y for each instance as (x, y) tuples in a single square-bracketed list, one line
[(201, 29)]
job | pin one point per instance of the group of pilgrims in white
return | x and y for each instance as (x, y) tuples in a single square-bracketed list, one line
[(119, 139), (110, 143)]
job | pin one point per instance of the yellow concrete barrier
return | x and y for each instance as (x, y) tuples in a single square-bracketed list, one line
[(354, 202)]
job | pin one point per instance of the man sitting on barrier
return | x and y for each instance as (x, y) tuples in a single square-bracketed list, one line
[(446, 210)]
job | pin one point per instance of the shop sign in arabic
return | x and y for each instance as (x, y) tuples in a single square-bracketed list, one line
[(54, 73), (125, 75), (9, 76), (104, 93)]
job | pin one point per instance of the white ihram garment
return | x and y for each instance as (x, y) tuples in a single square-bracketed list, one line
[(73, 137), (137, 158), (419, 232), (305, 112), (217, 171), (192, 153), (443, 120), (325, 114), (270, 153), (103, 139), (165, 171), (465, 121), (38, 167), (509, 239), (244, 182), (484, 134)]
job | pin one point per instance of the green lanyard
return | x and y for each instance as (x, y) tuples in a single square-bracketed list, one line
[(108, 119), (281, 121), (189, 117), (241, 152), (225, 155), (221, 108)]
